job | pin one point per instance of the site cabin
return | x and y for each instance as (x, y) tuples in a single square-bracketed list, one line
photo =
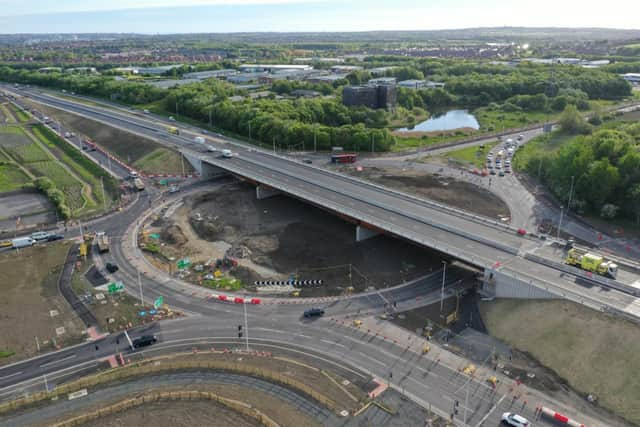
[(344, 158), (138, 184)]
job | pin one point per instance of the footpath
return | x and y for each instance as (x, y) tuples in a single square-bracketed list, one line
[(508, 388)]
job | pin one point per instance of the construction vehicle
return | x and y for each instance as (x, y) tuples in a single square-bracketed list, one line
[(591, 262), (138, 184), (174, 130), (103, 242)]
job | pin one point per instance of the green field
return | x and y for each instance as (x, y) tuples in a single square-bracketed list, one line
[(473, 155), (596, 353), (12, 178), (407, 143), (162, 160), (497, 121), (547, 143)]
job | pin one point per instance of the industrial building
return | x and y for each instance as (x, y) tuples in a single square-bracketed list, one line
[(345, 68), (633, 78), (330, 78), (419, 84), (212, 74), (372, 96), (382, 81), (379, 71), (272, 68)]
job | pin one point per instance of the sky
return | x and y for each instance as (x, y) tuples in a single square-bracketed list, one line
[(212, 16)]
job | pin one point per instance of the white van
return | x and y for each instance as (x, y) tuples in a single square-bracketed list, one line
[(227, 154)]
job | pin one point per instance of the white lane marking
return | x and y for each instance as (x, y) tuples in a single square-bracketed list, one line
[(9, 376), (493, 408), (44, 365), (333, 343)]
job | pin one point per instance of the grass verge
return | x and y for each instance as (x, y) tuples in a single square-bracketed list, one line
[(475, 155), (594, 352)]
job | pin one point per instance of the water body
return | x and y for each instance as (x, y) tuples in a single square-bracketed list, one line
[(454, 119)]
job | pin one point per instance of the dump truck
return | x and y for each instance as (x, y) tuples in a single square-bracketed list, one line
[(592, 262), (103, 242)]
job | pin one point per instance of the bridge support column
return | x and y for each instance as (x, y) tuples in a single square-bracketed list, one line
[(264, 192), (204, 169), (363, 233)]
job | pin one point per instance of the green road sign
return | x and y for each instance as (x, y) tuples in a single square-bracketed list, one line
[(163, 182), (115, 287), (158, 302), (154, 235), (184, 263)]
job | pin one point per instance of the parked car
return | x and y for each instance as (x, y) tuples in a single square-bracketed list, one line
[(144, 341), (515, 420), (501, 173), (112, 268), (40, 235), (313, 312)]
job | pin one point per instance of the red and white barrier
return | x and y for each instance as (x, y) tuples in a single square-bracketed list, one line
[(237, 300), (558, 417)]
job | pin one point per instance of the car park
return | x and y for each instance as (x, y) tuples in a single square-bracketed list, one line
[(515, 420), (313, 312), (144, 341)]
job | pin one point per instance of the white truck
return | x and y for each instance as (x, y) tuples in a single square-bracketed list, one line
[(199, 140), (22, 242)]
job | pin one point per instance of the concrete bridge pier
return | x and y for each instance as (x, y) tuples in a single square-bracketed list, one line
[(205, 170), (363, 233), (264, 192)]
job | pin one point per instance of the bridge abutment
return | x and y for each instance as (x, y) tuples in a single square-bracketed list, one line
[(499, 285), (204, 169), (264, 192), (363, 233)]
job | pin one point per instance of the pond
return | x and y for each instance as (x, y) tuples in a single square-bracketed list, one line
[(454, 119)]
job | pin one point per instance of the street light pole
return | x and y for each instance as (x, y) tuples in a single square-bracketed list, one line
[(570, 195), (246, 326), (140, 286), (560, 222), (444, 272)]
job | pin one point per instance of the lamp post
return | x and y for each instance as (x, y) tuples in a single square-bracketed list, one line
[(444, 273)]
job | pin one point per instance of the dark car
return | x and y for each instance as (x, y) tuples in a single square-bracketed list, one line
[(314, 312), (144, 341), (307, 161), (55, 237), (112, 268)]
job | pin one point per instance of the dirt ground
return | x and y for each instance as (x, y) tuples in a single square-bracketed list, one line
[(28, 285), (442, 189), (128, 147), (595, 353), (279, 237), (176, 414)]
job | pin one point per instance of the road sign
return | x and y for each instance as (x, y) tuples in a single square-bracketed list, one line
[(158, 302), (183, 263), (115, 287)]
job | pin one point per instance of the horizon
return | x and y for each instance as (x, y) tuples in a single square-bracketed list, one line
[(167, 17)]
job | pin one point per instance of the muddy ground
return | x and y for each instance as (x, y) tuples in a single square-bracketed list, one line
[(280, 237), (459, 194)]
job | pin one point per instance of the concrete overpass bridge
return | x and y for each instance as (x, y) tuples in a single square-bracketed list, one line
[(513, 265)]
